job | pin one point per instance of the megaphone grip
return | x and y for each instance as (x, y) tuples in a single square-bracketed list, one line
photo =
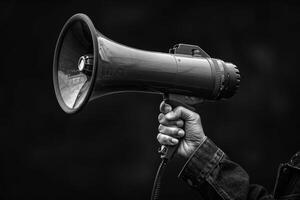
[(167, 152), (175, 103), (176, 100)]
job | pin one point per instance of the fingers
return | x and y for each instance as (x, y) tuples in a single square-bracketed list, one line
[(164, 107), (166, 140), (162, 120), (183, 113), (171, 131)]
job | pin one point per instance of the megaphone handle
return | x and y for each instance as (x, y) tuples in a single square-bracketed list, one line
[(167, 152)]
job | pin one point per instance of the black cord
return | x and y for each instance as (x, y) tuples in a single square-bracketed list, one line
[(157, 180)]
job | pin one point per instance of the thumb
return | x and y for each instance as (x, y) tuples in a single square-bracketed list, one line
[(181, 113)]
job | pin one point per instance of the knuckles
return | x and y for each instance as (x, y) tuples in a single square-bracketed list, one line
[(180, 108), (160, 128), (171, 131), (158, 137), (165, 140), (160, 117)]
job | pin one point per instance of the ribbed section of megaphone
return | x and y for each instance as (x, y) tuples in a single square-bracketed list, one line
[(88, 65), (233, 81)]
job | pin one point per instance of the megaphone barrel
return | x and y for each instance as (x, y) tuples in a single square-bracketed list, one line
[(88, 65)]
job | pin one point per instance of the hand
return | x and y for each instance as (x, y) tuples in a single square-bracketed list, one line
[(182, 124)]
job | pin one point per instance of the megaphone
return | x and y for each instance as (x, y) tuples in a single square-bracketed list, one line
[(87, 65)]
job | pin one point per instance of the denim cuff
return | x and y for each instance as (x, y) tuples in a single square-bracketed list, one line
[(203, 160)]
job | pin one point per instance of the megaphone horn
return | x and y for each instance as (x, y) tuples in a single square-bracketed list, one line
[(88, 65)]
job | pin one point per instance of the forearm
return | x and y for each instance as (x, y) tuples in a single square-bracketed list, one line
[(215, 176)]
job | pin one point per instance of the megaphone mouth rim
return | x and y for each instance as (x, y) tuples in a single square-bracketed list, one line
[(75, 18)]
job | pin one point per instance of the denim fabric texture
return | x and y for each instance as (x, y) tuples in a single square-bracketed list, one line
[(215, 176)]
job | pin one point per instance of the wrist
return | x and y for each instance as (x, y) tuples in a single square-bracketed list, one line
[(193, 146)]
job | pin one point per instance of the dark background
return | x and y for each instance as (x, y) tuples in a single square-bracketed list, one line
[(108, 151)]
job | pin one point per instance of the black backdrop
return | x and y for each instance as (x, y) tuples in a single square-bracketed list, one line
[(108, 151)]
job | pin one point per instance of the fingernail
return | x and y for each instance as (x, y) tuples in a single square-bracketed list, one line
[(160, 117), (180, 132), (168, 108), (174, 141)]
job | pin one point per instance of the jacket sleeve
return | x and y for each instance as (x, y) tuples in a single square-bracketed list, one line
[(215, 176)]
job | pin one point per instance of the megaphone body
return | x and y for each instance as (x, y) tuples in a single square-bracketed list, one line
[(88, 65)]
